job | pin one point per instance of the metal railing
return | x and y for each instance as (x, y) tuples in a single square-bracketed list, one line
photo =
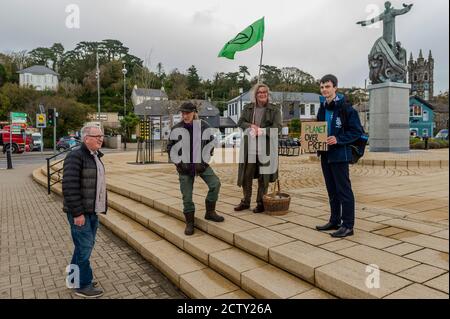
[(51, 172)]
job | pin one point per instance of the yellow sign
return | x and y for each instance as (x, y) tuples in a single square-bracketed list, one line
[(41, 121), (314, 136)]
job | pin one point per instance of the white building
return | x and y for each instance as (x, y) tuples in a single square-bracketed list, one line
[(139, 96), (40, 77), (303, 106)]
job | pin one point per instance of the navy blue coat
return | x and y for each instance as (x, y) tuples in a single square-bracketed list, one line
[(341, 152)]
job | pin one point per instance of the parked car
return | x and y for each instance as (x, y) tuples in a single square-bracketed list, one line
[(37, 140), (66, 142), (232, 140), (219, 139), (443, 134)]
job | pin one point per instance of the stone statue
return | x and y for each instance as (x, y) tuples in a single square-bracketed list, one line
[(387, 59)]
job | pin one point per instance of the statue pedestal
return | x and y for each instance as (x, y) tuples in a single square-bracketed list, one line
[(389, 117)]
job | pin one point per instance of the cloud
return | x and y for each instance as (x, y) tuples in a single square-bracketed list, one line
[(317, 36)]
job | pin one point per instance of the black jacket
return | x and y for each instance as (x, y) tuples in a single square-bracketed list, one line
[(189, 167), (79, 182), (345, 133)]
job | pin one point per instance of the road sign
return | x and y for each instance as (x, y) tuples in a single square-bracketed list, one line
[(16, 129), (41, 121), (18, 117)]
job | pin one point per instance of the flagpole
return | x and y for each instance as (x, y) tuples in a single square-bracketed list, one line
[(260, 61)]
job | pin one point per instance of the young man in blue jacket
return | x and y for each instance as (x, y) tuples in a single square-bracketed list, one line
[(344, 127)]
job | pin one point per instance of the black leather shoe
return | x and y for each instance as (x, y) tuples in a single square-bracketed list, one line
[(342, 232), (241, 207), (328, 226), (259, 209)]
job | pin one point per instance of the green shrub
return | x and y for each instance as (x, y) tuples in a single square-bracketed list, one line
[(418, 146), (433, 145), (414, 140)]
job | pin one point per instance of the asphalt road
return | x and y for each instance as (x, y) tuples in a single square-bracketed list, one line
[(36, 158)]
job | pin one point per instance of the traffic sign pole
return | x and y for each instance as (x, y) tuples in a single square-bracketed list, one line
[(54, 135), (42, 141), (8, 155)]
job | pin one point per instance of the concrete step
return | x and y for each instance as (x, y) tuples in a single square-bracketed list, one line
[(201, 265), (286, 253), (248, 252), (233, 263), (193, 277)]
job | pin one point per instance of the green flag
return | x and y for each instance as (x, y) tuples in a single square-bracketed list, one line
[(244, 40)]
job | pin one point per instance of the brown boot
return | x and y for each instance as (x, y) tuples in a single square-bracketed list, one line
[(189, 223), (211, 212), (259, 209), (241, 207)]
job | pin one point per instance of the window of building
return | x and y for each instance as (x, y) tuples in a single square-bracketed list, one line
[(415, 77), (291, 109), (302, 109), (312, 109), (426, 116), (425, 77), (415, 111)]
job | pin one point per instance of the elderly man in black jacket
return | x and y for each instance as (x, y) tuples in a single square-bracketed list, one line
[(84, 193)]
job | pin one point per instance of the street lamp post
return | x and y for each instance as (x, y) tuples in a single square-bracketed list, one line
[(124, 71), (97, 75)]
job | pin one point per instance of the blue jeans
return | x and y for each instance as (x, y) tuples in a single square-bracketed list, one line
[(84, 240)]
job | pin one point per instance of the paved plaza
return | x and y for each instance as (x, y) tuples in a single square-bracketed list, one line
[(35, 248), (401, 227)]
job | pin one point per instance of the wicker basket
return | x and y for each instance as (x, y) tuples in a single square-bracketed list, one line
[(276, 203)]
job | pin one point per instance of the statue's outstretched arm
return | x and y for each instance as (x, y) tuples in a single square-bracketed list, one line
[(371, 21), (406, 8)]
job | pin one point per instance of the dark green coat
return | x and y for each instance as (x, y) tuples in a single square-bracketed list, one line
[(271, 119)]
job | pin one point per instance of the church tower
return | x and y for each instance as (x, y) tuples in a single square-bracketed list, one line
[(420, 76)]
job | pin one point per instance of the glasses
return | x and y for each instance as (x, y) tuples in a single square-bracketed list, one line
[(99, 137)]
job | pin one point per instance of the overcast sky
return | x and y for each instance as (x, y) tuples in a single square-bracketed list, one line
[(318, 36)]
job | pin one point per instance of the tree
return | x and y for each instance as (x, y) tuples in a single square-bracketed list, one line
[(243, 70), (293, 75), (295, 127), (142, 77), (160, 71), (71, 114), (42, 56), (57, 56), (271, 75), (128, 124), (193, 82), (16, 98), (243, 82), (3, 75), (177, 86)]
